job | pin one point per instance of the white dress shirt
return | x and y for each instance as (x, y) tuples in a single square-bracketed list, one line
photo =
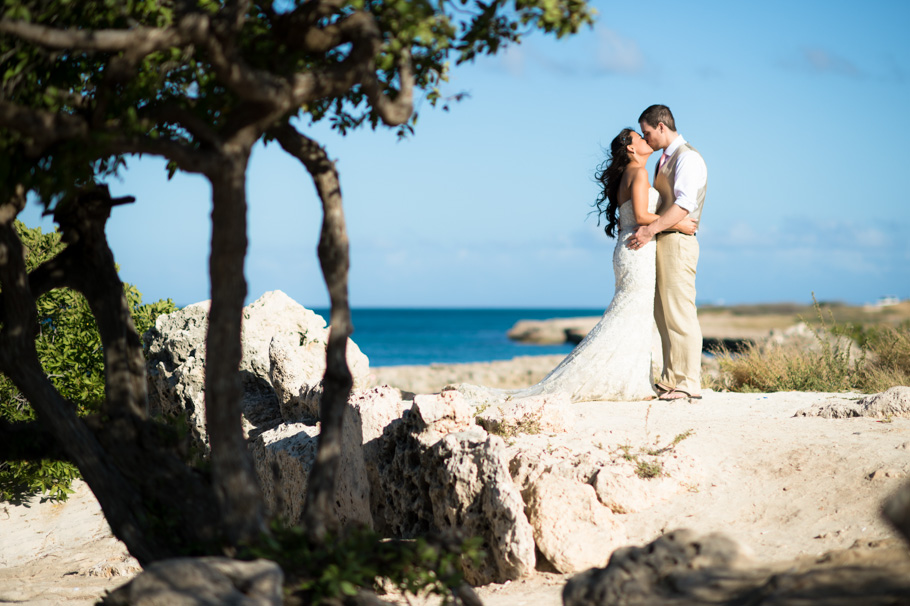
[(691, 176)]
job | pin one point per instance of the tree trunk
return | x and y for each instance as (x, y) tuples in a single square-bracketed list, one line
[(157, 505), (337, 383), (236, 485), (19, 361)]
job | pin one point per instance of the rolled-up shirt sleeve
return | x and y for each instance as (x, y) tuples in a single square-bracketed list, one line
[(691, 176)]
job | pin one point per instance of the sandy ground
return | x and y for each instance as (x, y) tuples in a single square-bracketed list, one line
[(781, 485)]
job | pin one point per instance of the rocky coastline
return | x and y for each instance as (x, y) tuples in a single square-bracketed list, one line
[(586, 496)]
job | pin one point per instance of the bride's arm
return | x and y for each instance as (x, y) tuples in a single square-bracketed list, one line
[(639, 189)]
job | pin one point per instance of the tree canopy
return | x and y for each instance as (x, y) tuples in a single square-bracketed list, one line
[(84, 85)]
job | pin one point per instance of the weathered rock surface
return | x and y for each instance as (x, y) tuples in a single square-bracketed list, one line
[(680, 568), (177, 362), (645, 575), (176, 369), (443, 473), (378, 408), (894, 402), (295, 356), (402, 459), (208, 581), (551, 331), (534, 414), (622, 491), (284, 456), (472, 494), (572, 529)]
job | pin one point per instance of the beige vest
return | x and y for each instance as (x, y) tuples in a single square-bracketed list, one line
[(665, 180)]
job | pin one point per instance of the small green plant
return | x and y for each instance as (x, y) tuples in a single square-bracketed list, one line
[(676, 440), (649, 469), (69, 348), (653, 468), (319, 573), (529, 424)]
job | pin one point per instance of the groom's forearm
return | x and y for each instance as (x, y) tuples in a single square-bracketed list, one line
[(671, 217)]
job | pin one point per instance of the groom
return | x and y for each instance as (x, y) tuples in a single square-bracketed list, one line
[(681, 179)]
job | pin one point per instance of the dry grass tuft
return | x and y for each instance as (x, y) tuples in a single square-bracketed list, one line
[(868, 359)]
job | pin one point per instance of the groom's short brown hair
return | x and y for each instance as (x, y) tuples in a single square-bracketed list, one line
[(656, 114)]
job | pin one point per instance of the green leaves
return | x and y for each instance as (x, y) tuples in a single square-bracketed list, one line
[(69, 348), (342, 565)]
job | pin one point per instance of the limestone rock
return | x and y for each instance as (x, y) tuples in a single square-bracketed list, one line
[(177, 363), (580, 466), (552, 331), (534, 414), (681, 568), (288, 345), (210, 581), (401, 459), (894, 402), (622, 492), (644, 575), (572, 529), (438, 415), (527, 463), (472, 494), (176, 368), (441, 473), (378, 408), (296, 376), (284, 456)]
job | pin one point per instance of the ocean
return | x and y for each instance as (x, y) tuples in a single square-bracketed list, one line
[(395, 337)]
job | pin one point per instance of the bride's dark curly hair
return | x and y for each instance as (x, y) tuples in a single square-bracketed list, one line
[(609, 174)]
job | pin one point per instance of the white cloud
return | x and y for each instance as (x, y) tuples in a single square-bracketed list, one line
[(513, 60), (821, 60), (617, 54)]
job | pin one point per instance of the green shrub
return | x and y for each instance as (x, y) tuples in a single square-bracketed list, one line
[(69, 348), (327, 572)]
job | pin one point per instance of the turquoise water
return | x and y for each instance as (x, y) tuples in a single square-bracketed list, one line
[(394, 337)]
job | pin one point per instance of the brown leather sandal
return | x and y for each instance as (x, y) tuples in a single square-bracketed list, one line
[(677, 394)]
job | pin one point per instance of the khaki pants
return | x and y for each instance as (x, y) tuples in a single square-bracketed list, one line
[(675, 313)]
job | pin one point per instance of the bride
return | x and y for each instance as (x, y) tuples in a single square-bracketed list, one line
[(613, 362)]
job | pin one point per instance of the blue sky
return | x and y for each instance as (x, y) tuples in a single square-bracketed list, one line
[(799, 109)]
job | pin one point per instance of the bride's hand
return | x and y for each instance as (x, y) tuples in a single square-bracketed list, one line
[(687, 226)]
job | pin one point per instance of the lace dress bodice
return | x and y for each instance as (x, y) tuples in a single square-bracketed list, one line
[(627, 222), (613, 362)]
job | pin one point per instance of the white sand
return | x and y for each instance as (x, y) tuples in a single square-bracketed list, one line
[(782, 486)]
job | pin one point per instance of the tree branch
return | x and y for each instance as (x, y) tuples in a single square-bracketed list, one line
[(187, 158), (138, 42), (43, 127), (171, 113), (398, 110), (300, 30)]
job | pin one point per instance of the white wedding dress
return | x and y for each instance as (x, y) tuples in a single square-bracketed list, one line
[(613, 362)]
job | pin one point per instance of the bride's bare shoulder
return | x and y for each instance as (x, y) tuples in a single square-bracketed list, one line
[(637, 175)]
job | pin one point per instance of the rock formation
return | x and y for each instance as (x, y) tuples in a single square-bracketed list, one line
[(435, 464), (196, 581), (894, 402), (553, 331), (681, 568), (177, 362)]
